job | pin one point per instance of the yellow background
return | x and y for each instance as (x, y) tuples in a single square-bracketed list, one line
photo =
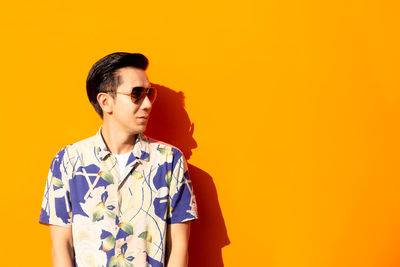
[(295, 106)]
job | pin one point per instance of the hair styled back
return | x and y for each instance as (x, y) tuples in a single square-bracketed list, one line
[(102, 76)]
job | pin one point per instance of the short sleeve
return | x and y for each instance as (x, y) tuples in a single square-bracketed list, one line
[(182, 200), (56, 205)]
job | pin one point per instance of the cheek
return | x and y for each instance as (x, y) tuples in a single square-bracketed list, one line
[(126, 107), (135, 108)]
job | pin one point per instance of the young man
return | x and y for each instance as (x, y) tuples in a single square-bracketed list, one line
[(119, 198)]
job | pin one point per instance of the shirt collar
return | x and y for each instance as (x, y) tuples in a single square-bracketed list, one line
[(140, 150)]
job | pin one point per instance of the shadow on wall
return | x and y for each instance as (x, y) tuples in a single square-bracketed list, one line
[(170, 123)]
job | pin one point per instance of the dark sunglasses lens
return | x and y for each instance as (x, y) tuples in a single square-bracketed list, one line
[(152, 94), (137, 93)]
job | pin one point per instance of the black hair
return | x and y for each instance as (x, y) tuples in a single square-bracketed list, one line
[(102, 76)]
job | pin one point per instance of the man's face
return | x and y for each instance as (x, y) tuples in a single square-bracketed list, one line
[(127, 115)]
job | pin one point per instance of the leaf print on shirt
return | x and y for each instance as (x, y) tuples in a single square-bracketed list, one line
[(126, 227), (137, 175), (165, 151), (99, 205), (107, 176), (121, 259), (146, 236), (168, 178), (56, 182), (108, 243)]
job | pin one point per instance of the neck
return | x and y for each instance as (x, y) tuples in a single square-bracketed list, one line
[(117, 141)]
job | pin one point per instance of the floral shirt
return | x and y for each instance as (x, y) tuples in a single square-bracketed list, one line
[(118, 222)]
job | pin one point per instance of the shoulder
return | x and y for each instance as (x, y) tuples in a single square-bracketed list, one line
[(163, 153), (157, 146), (82, 146), (73, 150)]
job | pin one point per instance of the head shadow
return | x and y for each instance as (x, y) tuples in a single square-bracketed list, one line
[(169, 122)]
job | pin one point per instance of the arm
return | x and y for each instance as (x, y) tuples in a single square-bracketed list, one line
[(62, 247), (177, 244)]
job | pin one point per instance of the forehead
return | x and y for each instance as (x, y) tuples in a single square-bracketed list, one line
[(130, 76)]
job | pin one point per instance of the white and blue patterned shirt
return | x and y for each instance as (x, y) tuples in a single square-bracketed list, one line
[(118, 221)]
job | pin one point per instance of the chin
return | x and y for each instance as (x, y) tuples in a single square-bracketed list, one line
[(140, 129)]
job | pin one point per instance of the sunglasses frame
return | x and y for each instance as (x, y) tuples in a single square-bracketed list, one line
[(145, 91)]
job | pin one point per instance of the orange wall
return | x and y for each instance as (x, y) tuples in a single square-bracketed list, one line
[(295, 106)]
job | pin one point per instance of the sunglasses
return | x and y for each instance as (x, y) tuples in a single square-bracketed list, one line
[(139, 92)]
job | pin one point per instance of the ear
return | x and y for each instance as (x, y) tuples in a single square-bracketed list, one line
[(106, 102)]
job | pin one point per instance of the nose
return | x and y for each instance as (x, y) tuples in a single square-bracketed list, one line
[(146, 104)]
